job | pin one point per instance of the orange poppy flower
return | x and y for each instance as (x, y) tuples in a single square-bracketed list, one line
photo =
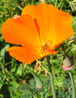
[(38, 31)]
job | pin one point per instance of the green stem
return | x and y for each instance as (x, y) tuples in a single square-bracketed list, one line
[(59, 4), (73, 87), (20, 7), (52, 85), (41, 95), (56, 3), (51, 77)]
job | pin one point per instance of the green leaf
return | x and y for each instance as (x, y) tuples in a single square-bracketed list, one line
[(19, 70), (2, 53), (38, 81), (27, 94), (1, 81), (13, 86), (73, 49)]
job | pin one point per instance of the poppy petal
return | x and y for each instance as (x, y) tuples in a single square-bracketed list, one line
[(22, 54), (63, 26), (54, 24), (21, 31), (39, 13)]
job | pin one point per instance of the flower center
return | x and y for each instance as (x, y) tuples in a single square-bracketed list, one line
[(47, 47)]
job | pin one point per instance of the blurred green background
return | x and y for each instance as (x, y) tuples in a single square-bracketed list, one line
[(19, 80)]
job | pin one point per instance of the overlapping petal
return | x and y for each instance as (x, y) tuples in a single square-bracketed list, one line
[(54, 24), (26, 55), (21, 31)]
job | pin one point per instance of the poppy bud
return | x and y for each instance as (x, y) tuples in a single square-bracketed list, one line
[(67, 64)]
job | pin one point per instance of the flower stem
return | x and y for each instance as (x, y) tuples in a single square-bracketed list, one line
[(20, 7), (52, 85), (51, 77), (73, 87), (56, 3)]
